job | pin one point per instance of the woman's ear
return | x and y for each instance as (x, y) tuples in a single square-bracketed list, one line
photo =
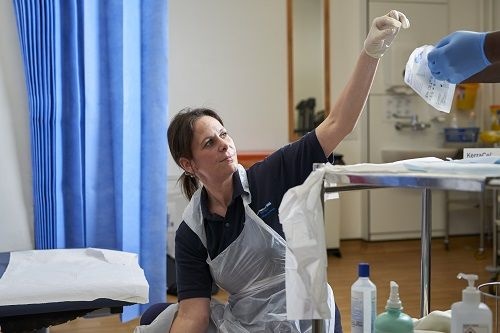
[(186, 165)]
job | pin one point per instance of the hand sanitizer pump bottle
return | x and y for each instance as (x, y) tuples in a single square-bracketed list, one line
[(393, 320), (470, 315), (363, 301)]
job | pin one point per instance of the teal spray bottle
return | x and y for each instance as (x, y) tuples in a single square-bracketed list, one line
[(393, 320)]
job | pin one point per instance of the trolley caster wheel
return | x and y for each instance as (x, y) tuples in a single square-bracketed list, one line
[(480, 255), (334, 252)]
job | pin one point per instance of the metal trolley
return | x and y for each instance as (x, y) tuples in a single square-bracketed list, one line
[(349, 180)]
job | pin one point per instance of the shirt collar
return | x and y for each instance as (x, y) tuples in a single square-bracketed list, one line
[(237, 192)]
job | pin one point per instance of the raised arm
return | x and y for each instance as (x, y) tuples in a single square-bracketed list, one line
[(193, 316), (345, 113)]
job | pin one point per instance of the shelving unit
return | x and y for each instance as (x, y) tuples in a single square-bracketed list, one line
[(494, 269), (484, 215)]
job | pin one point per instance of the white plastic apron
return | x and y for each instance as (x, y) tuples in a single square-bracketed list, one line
[(252, 271)]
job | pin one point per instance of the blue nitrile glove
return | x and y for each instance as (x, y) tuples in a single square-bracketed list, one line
[(458, 56)]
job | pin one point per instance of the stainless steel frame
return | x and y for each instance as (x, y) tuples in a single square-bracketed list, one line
[(348, 181)]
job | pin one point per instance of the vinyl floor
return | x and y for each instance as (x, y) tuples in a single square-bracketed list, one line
[(389, 260)]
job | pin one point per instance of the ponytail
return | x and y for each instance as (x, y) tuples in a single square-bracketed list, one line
[(189, 185)]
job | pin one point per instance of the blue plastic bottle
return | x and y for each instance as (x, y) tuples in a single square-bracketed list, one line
[(393, 320)]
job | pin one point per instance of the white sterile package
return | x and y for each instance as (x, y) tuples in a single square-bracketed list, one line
[(63, 275), (438, 94)]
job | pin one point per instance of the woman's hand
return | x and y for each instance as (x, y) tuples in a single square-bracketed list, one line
[(383, 31), (345, 113)]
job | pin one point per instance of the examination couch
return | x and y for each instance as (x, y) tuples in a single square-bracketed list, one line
[(42, 288)]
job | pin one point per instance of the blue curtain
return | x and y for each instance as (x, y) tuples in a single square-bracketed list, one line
[(96, 74)]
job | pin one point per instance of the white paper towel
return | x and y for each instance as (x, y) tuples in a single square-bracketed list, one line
[(60, 275)]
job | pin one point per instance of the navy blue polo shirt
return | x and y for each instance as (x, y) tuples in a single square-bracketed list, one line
[(268, 181)]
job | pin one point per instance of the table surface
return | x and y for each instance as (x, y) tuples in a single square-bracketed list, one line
[(355, 180)]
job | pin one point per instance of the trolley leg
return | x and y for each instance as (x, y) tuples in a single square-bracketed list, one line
[(495, 228), (425, 263), (482, 201), (494, 269), (317, 326), (447, 220)]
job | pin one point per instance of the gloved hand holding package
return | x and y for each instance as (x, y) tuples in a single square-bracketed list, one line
[(383, 31), (458, 56), (437, 93)]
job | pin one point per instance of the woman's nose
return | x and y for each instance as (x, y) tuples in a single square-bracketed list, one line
[(223, 146)]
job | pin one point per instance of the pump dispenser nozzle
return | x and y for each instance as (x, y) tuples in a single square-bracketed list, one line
[(393, 320), (469, 277), (470, 294), (394, 302)]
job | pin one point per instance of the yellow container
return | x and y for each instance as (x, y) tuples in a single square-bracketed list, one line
[(465, 95), (490, 137), (495, 117)]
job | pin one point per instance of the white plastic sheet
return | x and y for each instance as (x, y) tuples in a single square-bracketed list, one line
[(301, 213), (48, 276)]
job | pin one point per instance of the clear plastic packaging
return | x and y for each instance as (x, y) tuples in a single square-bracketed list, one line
[(437, 93)]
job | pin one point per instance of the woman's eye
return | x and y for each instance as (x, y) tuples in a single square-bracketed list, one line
[(223, 134), (208, 143)]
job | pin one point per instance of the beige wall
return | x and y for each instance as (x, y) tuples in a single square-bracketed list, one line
[(346, 42), (231, 55), (16, 208), (225, 54)]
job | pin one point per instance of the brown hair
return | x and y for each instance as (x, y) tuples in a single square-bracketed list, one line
[(180, 136)]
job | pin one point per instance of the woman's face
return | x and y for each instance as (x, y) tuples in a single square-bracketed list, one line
[(214, 154)]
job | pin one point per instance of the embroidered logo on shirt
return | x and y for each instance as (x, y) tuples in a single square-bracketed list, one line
[(266, 211)]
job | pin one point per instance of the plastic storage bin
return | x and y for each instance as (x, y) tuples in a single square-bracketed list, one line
[(461, 134)]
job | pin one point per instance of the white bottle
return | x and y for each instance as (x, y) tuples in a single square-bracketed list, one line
[(363, 301), (470, 315)]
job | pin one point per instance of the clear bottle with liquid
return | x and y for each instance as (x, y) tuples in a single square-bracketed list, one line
[(363, 301)]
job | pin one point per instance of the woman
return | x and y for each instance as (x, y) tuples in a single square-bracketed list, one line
[(231, 231)]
